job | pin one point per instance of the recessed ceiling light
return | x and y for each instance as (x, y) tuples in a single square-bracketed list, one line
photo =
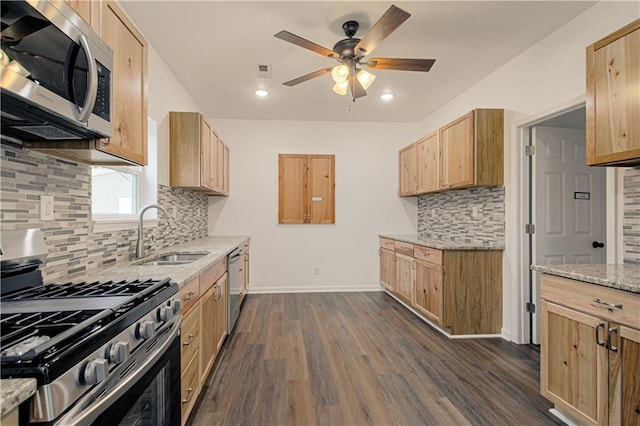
[(261, 93), (387, 96)]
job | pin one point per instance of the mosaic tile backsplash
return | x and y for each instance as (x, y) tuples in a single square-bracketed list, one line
[(631, 223), (448, 216), (73, 247)]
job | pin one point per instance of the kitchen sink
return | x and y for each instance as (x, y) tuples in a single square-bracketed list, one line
[(173, 259)]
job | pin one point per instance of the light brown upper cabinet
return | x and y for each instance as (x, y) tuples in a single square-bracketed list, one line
[(88, 10), (465, 153), (407, 171), (306, 190), (428, 164), (199, 160), (613, 98), (129, 140), (471, 150)]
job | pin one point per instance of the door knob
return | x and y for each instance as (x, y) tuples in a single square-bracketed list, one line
[(597, 244)]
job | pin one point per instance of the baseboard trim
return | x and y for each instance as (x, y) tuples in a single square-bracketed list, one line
[(316, 289), (568, 420), (437, 327)]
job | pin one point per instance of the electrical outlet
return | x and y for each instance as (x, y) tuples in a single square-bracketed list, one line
[(316, 270), (174, 212), (46, 207), (474, 212), (433, 213)]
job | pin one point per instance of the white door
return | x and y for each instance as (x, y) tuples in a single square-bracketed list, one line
[(568, 203)]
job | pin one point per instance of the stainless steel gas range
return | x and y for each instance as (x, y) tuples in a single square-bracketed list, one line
[(103, 353)]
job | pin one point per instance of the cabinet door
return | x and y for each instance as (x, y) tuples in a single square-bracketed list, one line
[(292, 182), (457, 152), (624, 375), (208, 317), (428, 164), (405, 276), (613, 90), (407, 171), (129, 77), (85, 9), (388, 269), (428, 294), (207, 145), (321, 189), (573, 363), (221, 311), (225, 168)]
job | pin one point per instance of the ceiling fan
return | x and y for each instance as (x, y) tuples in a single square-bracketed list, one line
[(351, 52)]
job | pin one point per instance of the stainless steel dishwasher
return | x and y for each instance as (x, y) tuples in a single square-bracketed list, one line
[(234, 268)]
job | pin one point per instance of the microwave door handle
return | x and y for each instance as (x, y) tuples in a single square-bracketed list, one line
[(92, 89)]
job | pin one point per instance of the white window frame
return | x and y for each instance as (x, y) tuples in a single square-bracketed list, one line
[(147, 191)]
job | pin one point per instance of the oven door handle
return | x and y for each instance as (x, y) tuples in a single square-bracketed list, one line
[(87, 409)]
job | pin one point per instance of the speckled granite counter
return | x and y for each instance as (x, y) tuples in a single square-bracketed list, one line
[(621, 276), (217, 248), (441, 245), (14, 392)]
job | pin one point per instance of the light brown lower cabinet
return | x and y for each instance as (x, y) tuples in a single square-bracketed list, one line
[(590, 351), (203, 330), (459, 290), (388, 268)]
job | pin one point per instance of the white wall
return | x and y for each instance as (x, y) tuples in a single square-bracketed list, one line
[(166, 94), (283, 257), (549, 74)]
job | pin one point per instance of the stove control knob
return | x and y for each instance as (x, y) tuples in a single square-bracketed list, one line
[(165, 313), (95, 371), (176, 304), (119, 352), (145, 329)]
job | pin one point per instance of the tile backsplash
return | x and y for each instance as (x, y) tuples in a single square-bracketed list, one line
[(449, 216), (73, 247), (631, 222)]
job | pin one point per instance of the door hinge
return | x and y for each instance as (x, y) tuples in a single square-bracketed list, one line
[(530, 228), (530, 150), (530, 307)]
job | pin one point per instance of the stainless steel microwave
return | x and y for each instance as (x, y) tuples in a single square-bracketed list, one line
[(55, 75)]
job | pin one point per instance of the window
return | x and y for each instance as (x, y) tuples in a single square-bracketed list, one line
[(306, 190), (114, 190)]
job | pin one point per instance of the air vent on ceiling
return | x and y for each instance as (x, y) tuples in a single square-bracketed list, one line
[(264, 71)]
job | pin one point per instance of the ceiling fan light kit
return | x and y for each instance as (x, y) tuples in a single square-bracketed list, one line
[(350, 52)]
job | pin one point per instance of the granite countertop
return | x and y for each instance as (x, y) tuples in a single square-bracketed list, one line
[(623, 276), (442, 245), (14, 392), (217, 246)]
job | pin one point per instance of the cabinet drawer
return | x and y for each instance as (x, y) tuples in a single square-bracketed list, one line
[(428, 254), (592, 299), (387, 244), (189, 336), (404, 248), (189, 294), (211, 275), (189, 383)]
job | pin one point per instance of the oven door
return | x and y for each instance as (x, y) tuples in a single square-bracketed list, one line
[(149, 393)]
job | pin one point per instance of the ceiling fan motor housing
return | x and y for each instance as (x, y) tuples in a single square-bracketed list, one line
[(346, 48)]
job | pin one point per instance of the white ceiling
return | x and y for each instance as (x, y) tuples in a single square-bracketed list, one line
[(214, 47)]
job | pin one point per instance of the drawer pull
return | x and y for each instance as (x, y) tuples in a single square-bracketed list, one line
[(610, 305), (612, 331), (598, 341), (190, 393), (188, 342), (188, 296)]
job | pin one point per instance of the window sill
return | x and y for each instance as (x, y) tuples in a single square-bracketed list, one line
[(101, 225)]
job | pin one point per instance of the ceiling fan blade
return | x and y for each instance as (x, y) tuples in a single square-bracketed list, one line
[(392, 19), (299, 41), (357, 91), (400, 64), (306, 77)]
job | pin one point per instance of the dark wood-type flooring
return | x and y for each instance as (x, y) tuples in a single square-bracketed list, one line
[(362, 358)]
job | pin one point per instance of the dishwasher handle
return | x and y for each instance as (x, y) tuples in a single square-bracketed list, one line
[(235, 256)]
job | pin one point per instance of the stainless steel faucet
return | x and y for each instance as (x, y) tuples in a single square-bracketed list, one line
[(140, 245)]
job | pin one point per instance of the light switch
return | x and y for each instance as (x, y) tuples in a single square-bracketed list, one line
[(46, 207)]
